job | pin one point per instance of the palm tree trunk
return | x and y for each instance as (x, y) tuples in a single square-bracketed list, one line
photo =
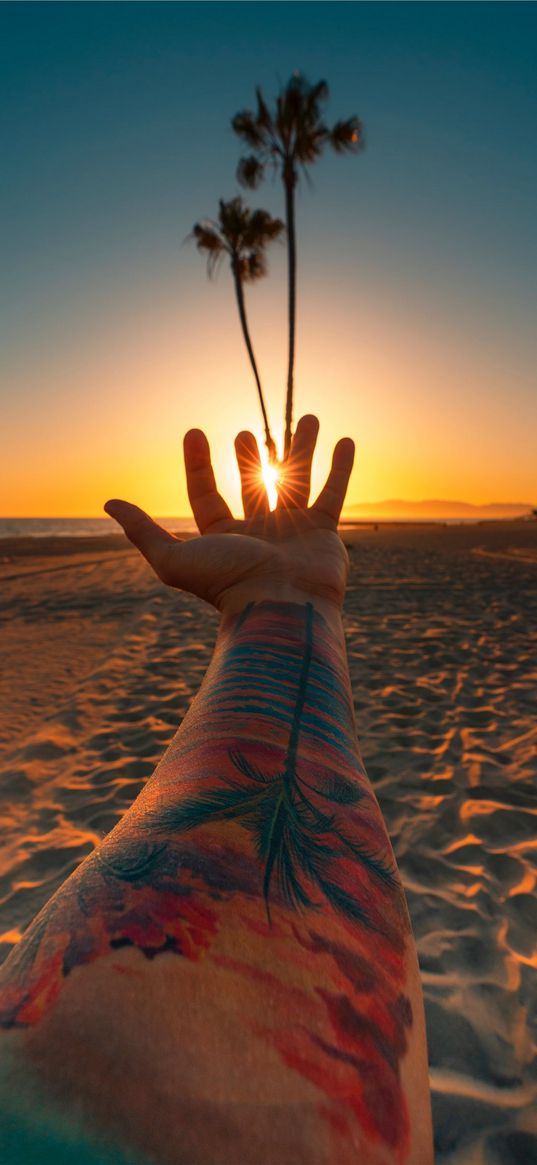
[(290, 182), (271, 447)]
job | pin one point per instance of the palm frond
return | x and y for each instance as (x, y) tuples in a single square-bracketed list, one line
[(292, 103), (294, 130), (309, 143), (209, 240), (234, 219), (263, 116), (347, 136), (317, 93), (264, 228), (256, 266), (247, 127), (213, 263), (250, 172), (242, 234), (280, 118)]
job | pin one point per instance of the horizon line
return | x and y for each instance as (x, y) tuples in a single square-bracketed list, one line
[(526, 508), (351, 506)]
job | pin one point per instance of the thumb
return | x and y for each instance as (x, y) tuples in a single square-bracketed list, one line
[(151, 539)]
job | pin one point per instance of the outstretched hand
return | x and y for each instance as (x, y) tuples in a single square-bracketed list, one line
[(292, 552)]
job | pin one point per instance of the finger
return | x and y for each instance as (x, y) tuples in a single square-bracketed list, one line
[(151, 539), (254, 494), (208, 506), (294, 485), (332, 496)]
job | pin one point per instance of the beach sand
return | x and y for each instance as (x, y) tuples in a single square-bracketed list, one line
[(100, 661)]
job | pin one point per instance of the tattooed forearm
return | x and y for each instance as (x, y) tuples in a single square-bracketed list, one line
[(258, 832)]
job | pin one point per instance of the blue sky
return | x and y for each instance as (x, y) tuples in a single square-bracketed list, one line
[(115, 127)]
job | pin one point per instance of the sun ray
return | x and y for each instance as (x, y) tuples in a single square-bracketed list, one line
[(270, 475)]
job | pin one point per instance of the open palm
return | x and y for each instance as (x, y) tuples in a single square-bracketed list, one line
[(293, 551)]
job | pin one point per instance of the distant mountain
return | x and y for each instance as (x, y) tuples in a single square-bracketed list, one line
[(435, 508)]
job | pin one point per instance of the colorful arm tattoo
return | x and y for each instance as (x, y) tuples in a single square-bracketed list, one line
[(258, 844)]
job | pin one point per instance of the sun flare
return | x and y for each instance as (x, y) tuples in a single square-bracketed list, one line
[(271, 475)]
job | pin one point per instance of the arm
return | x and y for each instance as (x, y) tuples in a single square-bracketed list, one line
[(232, 971)]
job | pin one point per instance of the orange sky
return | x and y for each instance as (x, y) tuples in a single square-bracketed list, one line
[(103, 412)]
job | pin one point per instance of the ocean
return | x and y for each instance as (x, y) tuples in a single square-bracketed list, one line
[(78, 527), (95, 527)]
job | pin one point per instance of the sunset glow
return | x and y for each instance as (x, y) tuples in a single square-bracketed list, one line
[(418, 345)]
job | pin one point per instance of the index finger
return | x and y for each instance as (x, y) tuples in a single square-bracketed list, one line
[(207, 504), (332, 495)]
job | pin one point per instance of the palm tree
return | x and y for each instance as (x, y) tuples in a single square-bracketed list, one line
[(294, 135), (243, 235)]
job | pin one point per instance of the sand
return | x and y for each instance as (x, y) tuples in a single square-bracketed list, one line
[(100, 661)]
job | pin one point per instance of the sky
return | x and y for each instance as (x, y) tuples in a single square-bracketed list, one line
[(417, 257)]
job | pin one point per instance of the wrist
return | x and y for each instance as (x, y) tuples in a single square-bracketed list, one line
[(279, 633), (284, 592)]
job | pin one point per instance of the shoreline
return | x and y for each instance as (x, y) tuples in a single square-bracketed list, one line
[(53, 545)]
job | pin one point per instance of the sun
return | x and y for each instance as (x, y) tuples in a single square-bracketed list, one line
[(271, 476)]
